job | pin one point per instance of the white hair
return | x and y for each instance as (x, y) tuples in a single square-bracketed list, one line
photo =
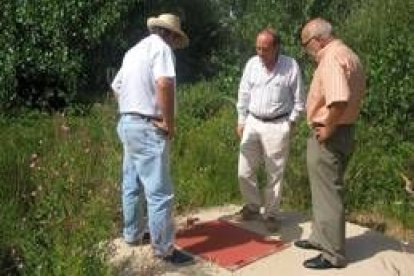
[(321, 28), (324, 29)]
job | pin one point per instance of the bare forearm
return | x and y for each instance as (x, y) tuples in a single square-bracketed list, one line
[(165, 100), (324, 131), (335, 112)]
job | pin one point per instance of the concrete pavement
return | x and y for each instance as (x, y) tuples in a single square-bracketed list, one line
[(369, 252)]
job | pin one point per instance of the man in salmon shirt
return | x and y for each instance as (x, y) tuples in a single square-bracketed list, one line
[(333, 105)]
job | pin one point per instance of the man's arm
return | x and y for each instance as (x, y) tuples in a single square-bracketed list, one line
[(117, 83), (337, 94), (323, 132), (298, 94), (165, 99), (243, 100)]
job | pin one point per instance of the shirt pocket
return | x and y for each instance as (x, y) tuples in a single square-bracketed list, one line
[(278, 91)]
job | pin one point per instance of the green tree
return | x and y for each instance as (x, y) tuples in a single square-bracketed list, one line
[(47, 40)]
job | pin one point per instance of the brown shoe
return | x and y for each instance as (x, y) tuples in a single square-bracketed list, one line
[(272, 224), (246, 214)]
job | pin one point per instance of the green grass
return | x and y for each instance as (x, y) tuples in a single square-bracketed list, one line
[(57, 174), (205, 163)]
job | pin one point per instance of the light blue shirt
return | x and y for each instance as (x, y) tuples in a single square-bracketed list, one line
[(270, 94)]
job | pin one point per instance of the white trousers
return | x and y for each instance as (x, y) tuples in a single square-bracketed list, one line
[(266, 142)]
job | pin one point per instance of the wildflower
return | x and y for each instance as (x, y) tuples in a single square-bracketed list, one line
[(65, 128), (34, 157)]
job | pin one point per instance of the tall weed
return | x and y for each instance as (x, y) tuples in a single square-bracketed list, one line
[(57, 175)]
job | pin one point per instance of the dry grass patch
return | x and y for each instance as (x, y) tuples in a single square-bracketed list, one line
[(387, 226)]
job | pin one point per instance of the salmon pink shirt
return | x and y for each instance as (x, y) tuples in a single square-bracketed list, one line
[(339, 77)]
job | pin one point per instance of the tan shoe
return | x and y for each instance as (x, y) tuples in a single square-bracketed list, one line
[(272, 224)]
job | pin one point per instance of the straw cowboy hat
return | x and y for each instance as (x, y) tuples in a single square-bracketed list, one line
[(170, 22)]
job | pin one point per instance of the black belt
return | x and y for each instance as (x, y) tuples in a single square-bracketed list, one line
[(147, 118), (315, 124), (270, 119)]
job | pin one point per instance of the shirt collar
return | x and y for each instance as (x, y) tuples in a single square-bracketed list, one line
[(277, 58), (322, 52)]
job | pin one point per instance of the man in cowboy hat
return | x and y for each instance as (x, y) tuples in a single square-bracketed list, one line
[(145, 90)]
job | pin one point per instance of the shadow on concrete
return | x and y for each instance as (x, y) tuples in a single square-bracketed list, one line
[(368, 244), (290, 230)]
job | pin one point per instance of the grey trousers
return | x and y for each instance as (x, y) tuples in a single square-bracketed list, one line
[(326, 164)]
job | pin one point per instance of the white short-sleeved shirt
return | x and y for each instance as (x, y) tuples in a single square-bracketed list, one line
[(143, 64)]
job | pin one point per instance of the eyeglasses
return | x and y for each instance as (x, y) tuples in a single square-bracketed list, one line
[(305, 44)]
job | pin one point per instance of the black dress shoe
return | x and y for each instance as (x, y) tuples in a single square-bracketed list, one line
[(305, 244), (319, 262)]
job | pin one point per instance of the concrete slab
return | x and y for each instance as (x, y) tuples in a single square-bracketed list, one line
[(369, 252)]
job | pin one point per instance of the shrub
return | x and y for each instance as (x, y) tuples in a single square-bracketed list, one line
[(380, 32), (46, 43), (374, 174), (55, 49)]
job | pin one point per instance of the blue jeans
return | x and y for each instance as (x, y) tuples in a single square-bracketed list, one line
[(146, 178)]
